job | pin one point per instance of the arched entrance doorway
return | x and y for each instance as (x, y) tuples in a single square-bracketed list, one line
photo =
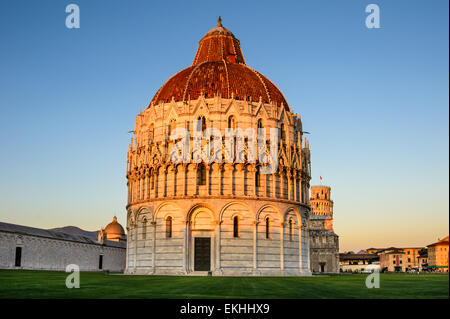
[(322, 266), (201, 240)]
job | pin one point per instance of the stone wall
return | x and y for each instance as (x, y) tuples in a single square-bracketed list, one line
[(53, 254)]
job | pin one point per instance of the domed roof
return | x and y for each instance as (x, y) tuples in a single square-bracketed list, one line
[(114, 228), (219, 68)]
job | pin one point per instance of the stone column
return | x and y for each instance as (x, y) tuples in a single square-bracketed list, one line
[(127, 251), (282, 184), (196, 183), (184, 169), (218, 246), (208, 182), (149, 189), (154, 248), (230, 169), (289, 185), (165, 181), (282, 248), (274, 186), (255, 246), (175, 191), (252, 172), (264, 184), (185, 241), (129, 192), (135, 235), (301, 190), (295, 186), (145, 192), (156, 183), (300, 257), (221, 167)]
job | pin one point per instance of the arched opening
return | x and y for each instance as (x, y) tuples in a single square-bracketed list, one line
[(169, 227), (201, 239), (232, 122), (267, 228)]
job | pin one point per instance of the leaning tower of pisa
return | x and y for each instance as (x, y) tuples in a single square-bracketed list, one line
[(324, 243)]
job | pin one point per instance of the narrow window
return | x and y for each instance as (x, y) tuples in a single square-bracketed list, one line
[(260, 123), (18, 256), (232, 122), (171, 127), (202, 120), (235, 226), (169, 227), (257, 178), (152, 179), (139, 190), (151, 134), (283, 133), (201, 175), (267, 228), (100, 262), (291, 230), (144, 229)]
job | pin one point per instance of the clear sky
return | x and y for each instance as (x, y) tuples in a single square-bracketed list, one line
[(375, 101)]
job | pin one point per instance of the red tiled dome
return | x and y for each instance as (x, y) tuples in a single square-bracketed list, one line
[(219, 69)]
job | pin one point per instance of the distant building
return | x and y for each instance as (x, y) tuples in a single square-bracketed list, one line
[(113, 232), (399, 259), (438, 255), (392, 260), (324, 243), (422, 260), (349, 262), (23, 247)]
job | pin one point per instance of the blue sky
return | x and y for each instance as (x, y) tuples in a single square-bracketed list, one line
[(375, 101)]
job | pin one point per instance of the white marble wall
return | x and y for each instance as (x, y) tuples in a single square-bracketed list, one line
[(53, 254), (285, 252)]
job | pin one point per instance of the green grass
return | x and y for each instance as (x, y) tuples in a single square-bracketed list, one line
[(49, 284)]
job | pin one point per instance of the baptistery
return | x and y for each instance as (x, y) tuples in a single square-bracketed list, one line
[(238, 208)]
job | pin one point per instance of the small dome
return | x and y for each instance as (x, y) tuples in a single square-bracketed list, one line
[(114, 231), (220, 29)]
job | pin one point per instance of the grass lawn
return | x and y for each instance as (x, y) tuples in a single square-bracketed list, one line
[(49, 284)]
